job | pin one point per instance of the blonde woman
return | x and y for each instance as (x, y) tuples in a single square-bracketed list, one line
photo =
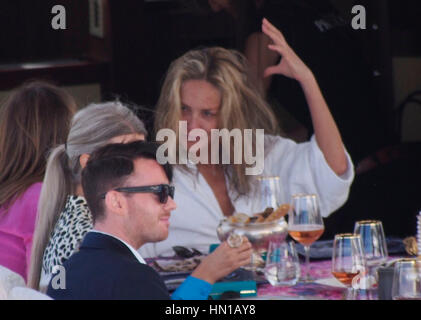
[(212, 89)]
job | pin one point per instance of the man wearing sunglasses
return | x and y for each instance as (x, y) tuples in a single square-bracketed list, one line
[(131, 199)]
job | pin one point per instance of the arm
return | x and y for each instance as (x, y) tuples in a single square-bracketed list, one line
[(215, 266), (223, 261), (192, 289), (327, 134)]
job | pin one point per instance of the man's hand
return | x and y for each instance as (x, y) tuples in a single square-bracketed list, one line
[(223, 261)]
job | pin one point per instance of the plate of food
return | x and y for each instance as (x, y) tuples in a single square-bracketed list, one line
[(177, 265), (175, 270), (269, 215)]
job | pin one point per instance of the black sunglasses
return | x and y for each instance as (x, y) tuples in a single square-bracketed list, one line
[(163, 190)]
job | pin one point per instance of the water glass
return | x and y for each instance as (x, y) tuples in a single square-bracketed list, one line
[(282, 264), (373, 241), (407, 280)]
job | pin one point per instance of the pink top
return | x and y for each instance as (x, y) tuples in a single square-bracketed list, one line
[(16, 231)]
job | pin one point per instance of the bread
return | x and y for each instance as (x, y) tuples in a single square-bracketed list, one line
[(278, 213)]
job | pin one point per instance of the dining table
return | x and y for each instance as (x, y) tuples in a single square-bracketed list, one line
[(323, 287)]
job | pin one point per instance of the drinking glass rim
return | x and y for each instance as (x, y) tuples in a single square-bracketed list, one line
[(369, 222), (411, 261), (347, 235)]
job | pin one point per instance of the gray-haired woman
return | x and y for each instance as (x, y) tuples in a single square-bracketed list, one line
[(64, 217)]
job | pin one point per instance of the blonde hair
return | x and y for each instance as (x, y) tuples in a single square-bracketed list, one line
[(92, 127), (242, 105)]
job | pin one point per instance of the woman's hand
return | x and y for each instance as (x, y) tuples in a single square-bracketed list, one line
[(327, 134), (223, 261), (290, 65)]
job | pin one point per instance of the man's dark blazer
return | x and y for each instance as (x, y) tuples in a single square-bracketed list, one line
[(105, 268)]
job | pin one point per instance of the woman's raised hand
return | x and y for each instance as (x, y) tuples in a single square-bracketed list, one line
[(290, 65)]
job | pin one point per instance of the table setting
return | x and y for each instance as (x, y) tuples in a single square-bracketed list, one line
[(324, 287), (290, 263)]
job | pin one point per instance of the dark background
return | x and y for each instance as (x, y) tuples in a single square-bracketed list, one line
[(143, 37)]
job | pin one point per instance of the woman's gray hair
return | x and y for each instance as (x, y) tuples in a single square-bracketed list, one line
[(92, 127)]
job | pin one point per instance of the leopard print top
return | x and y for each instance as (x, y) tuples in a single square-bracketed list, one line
[(74, 222)]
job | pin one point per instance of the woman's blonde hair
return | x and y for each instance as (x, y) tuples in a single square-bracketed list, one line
[(242, 105), (92, 127)]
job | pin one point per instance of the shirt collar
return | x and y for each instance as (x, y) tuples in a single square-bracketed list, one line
[(135, 253)]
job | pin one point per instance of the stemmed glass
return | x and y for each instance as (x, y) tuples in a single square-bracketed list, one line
[(269, 192), (348, 261), (374, 244), (407, 280), (305, 224), (373, 241)]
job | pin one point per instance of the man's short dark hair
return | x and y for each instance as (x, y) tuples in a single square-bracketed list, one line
[(110, 166)]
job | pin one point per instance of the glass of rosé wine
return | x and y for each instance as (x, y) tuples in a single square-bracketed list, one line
[(305, 224), (349, 262)]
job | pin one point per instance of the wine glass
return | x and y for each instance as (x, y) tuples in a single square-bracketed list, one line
[(269, 192), (374, 244), (348, 261), (305, 224), (406, 283)]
